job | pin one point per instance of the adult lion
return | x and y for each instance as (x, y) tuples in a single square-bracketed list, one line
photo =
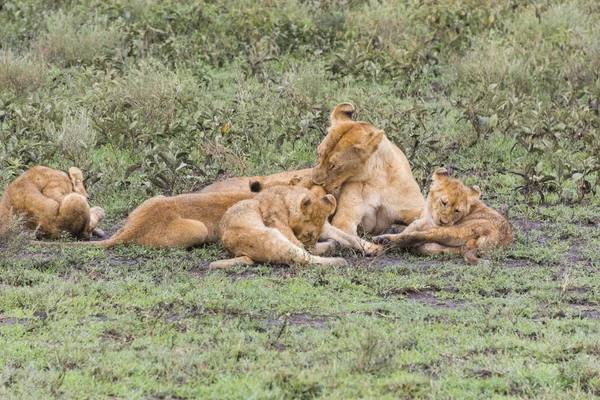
[(368, 174), (51, 201)]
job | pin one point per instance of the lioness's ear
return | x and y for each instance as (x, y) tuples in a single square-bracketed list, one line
[(370, 144), (341, 113), (304, 202), (474, 192), (440, 175), (295, 181), (330, 202), (255, 186)]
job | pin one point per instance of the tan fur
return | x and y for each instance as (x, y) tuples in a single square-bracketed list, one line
[(301, 178), (51, 201), (184, 221), (455, 221), (258, 183), (276, 226), (369, 175)]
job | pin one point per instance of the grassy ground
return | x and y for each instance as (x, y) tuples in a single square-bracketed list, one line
[(151, 97)]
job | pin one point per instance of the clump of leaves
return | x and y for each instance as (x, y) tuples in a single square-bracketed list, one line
[(70, 41), (21, 75), (76, 140)]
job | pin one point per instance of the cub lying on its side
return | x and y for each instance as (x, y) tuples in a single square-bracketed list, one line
[(51, 201), (181, 221), (277, 226), (456, 221)]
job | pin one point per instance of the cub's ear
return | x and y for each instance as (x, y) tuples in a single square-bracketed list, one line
[(370, 144), (474, 192), (255, 186), (295, 181), (76, 177), (304, 203), (75, 174), (329, 202), (440, 175), (341, 113)]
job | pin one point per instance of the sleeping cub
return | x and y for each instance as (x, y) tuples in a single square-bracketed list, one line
[(277, 226), (455, 221)]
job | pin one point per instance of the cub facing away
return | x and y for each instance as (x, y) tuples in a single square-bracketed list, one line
[(52, 201), (277, 225), (456, 221), (184, 221)]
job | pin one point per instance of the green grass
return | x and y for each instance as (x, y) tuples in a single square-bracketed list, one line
[(505, 94)]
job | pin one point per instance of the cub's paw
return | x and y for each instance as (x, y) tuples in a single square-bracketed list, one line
[(98, 233), (384, 239), (338, 262), (373, 249), (325, 247), (98, 213)]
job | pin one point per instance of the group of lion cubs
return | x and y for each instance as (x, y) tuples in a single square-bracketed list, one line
[(285, 217)]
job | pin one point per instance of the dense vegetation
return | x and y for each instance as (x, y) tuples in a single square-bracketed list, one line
[(150, 97)]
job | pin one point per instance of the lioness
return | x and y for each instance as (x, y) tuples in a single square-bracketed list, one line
[(455, 221), (184, 221), (278, 225), (369, 175), (51, 201)]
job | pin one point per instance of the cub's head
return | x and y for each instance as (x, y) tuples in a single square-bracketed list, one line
[(449, 200), (345, 150), (76, 177), (308, 219)]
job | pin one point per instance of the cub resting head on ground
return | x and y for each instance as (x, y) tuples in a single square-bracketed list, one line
[(51, 201), (184, 221), (368, 174), (277, 225), (293, 178), (455, 221)]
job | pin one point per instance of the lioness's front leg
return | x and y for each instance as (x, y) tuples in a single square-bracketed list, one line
[(347, 240), (444, 235)]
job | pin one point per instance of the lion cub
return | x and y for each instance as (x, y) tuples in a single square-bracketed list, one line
[(51, 201), (278, 225), (455, 221)]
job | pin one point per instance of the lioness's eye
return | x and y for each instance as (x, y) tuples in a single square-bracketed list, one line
[(444, 203), (331, 167), (457, 211)]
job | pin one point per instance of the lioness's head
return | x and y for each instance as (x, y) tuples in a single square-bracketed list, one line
[(345, 150), (76, 177), (449, 200), (310, 217)]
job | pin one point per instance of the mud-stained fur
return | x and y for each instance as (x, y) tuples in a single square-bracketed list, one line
[(52, 202), (278, 225), (184, 221), (455, 221), (369, 175)]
